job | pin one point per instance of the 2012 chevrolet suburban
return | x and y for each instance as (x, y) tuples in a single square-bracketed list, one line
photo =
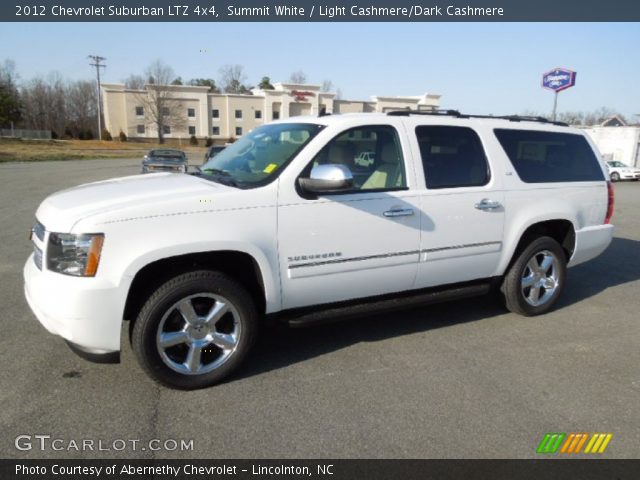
[(282, 223)]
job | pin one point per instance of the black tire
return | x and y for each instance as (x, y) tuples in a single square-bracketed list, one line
[(518, 297), (203, 291), (615, 177)]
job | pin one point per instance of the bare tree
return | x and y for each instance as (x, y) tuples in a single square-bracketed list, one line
[(232, 78), (81, 108), (327, 86), (338, 94), (9, 95), (44, 104), (162, 109), (134, 82), (298, 77)]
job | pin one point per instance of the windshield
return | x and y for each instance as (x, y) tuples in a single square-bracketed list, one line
[(616, 164), (260, 154)]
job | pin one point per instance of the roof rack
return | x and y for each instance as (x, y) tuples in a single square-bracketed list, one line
[(457, 114)]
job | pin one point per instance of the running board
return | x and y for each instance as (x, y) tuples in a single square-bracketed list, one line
[(339, 311)]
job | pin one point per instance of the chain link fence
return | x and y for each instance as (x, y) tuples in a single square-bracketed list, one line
[(21, 133)]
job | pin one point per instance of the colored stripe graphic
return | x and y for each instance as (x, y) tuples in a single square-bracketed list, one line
[(551, 442), (598, 443), (572, 443)]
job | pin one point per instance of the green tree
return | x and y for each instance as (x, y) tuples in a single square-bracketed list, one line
[(265, 84), (205, 82)]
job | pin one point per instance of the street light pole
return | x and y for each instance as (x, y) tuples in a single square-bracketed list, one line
[(97, 62)]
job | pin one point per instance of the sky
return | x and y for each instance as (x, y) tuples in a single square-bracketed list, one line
[(482, 68)]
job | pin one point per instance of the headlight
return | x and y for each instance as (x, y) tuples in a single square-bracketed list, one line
[(76, 255)]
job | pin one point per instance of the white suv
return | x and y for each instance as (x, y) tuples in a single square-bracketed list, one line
[(278, 225)]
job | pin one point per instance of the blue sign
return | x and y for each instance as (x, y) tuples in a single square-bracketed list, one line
[(559, 79)]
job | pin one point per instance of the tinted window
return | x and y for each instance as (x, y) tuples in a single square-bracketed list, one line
[(452, 157), (540, 157), (372, 154)]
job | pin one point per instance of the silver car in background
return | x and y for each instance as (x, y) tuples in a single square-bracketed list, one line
[(164, 160)]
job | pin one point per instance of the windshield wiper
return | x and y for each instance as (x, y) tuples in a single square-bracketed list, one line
[(217, 175)]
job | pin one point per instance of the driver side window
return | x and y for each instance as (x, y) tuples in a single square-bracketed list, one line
[(372, 154)]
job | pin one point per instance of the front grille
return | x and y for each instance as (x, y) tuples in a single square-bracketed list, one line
[(164, 168), (37, 257), (38, 230)]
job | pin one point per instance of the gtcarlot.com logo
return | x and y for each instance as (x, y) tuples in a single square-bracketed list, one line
[(572, 443), (48, 442)]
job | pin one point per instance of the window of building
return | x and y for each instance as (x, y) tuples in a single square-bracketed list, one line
[(215, 130), (166, 129), (540, 157), (140, 111), (276, 115), (238, 131), (452, 157), (372, 154), (238, 114), (258, 114), (192, 130), (140, 129), (191, 112), (215, 113), (165, 111)]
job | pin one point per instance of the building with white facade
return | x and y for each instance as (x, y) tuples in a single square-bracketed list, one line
[(617, 141), (225, 116)]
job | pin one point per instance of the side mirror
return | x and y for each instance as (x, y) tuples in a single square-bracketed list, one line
[(327, 178)]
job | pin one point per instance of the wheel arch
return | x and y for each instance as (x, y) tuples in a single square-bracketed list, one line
[(560, 229), (239, 264)]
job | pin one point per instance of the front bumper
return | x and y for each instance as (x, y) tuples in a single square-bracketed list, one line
[(83, 311)]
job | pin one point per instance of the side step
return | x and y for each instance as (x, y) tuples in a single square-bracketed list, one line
[(339, 311)]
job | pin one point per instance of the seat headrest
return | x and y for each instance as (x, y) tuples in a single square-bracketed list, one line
[(389, 154)]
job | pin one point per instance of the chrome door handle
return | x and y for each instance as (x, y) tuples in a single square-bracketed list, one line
[(401, 212), (486, 204)]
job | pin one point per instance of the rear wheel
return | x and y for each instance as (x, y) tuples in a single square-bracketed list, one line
[(535, 280), (195, 330)]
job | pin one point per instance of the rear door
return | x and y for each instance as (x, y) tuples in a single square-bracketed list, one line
[(462, 206)]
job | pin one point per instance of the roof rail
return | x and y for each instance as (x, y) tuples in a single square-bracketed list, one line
[(457, 114)]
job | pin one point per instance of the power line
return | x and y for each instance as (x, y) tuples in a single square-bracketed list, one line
[(97, 62)]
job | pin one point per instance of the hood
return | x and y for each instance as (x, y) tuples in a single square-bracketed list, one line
[(60, 211)]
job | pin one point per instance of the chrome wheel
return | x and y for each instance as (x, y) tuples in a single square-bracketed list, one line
[(540, 278), (198, 334)]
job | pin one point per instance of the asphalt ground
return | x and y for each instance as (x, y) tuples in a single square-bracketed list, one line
[(457, 380)]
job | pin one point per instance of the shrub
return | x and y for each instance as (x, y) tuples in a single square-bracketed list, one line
[(88, 135), (208, 142), (106, 135), (193, 140), (123, 136)]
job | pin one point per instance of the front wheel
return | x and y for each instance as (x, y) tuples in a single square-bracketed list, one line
[(615, 177), (195, 330), (535, 280)]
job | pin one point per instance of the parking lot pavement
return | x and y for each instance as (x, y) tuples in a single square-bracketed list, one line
[(463, 379)]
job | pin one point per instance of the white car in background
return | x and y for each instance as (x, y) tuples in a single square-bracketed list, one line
[(621, 171)]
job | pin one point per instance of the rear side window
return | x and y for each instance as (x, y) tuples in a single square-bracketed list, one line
[(540, 157), (452, 157)]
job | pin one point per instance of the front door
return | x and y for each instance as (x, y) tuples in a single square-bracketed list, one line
[(359, 243)]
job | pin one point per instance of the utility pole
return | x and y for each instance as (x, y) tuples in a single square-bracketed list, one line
[(97, 62)]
